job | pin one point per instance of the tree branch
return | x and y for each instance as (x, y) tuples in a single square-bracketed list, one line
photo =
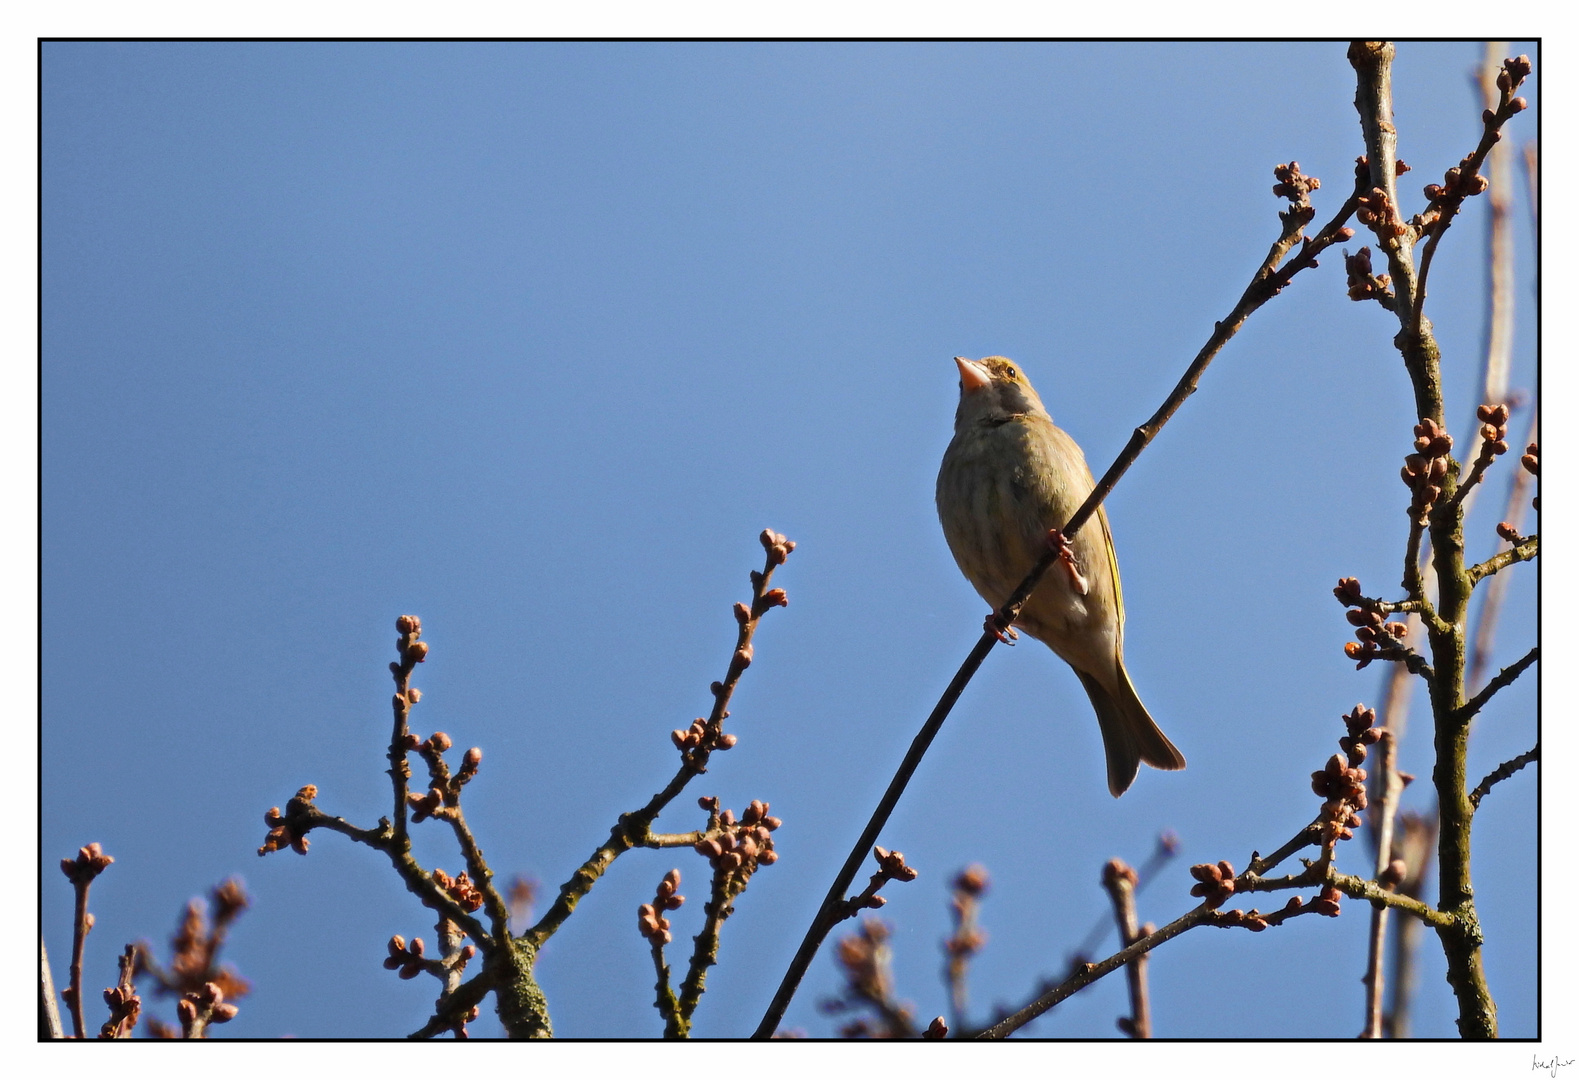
[(1502, 772), (1523, 551), (1502, 678)]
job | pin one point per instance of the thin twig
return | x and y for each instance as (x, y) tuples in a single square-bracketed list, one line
[(1501, 679), (1390, 785), (1446, 205), (1119, 881), (1523, 551), (1497, 588), (1263, 286), (89, 863), (1502, 772), (125, 1006)]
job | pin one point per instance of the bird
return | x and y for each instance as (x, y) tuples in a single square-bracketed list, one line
[(1009, 478)]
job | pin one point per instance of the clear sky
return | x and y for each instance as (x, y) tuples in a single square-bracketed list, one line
[(532, 340)]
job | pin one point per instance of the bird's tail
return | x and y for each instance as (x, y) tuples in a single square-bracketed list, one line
[(1129, 734)]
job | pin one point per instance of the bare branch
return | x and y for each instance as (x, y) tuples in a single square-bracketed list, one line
[(1502, 772)]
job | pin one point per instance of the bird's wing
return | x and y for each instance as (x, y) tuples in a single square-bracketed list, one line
[(1112, 562)]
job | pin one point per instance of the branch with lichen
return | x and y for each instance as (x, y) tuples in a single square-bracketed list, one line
[(507, 966), (1527, 548), (1439, 488), (508, 960)]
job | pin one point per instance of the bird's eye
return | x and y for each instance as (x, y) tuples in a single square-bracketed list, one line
[(1009, 371)]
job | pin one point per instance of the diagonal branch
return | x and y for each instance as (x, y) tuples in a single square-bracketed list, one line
[(1523, 551), (1502, 678), (1502, 772)]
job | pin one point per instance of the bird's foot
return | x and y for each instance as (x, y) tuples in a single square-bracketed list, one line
[(1066, 558), (995, 626)]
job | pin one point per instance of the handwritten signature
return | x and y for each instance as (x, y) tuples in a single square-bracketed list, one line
[(1551, 1065)]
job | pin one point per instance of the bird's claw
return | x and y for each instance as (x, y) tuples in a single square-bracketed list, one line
[(994, 625), (1066, 558)]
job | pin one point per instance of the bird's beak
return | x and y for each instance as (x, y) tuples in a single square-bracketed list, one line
[(972, 376)]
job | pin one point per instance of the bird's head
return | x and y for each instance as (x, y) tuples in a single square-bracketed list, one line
[(993, 390)]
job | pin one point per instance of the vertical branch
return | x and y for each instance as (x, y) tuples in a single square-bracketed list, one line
[(1120, 881), (412, 652), (48, 1011), (1373, 61), (1460, 933), (1499, 323), (1382, 811), (89, 863), (1497, 587)]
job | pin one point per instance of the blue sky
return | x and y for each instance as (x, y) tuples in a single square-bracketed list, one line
[(532, 340)]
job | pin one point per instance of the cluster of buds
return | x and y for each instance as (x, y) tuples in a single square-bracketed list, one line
[(1425, 469), (406, 959), (196, 944), (1343, 788), (1376, 211), (938, 1029), (409, 961), (890, 867), (1458, 183), (1251, 920), (445, 790), (125, 1007), (1513, 74), (771, 599), (1115, 870), (1362, 732), (1364, 284), (1532, 459), (969, 885), (1326, 902), (1293, 185), (738, 846), (1493, 430), (88, 864), (411, 649), (696, 736), (777, 545), (1214, 882), (202, 1007), (459, 889), (1377, 637), (289, 829), (867, 961), (649, 917)]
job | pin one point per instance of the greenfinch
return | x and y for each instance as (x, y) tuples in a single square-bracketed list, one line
[(1009, 477)]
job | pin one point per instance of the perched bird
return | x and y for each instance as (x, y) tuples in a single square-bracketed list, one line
[(1009, 477)]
